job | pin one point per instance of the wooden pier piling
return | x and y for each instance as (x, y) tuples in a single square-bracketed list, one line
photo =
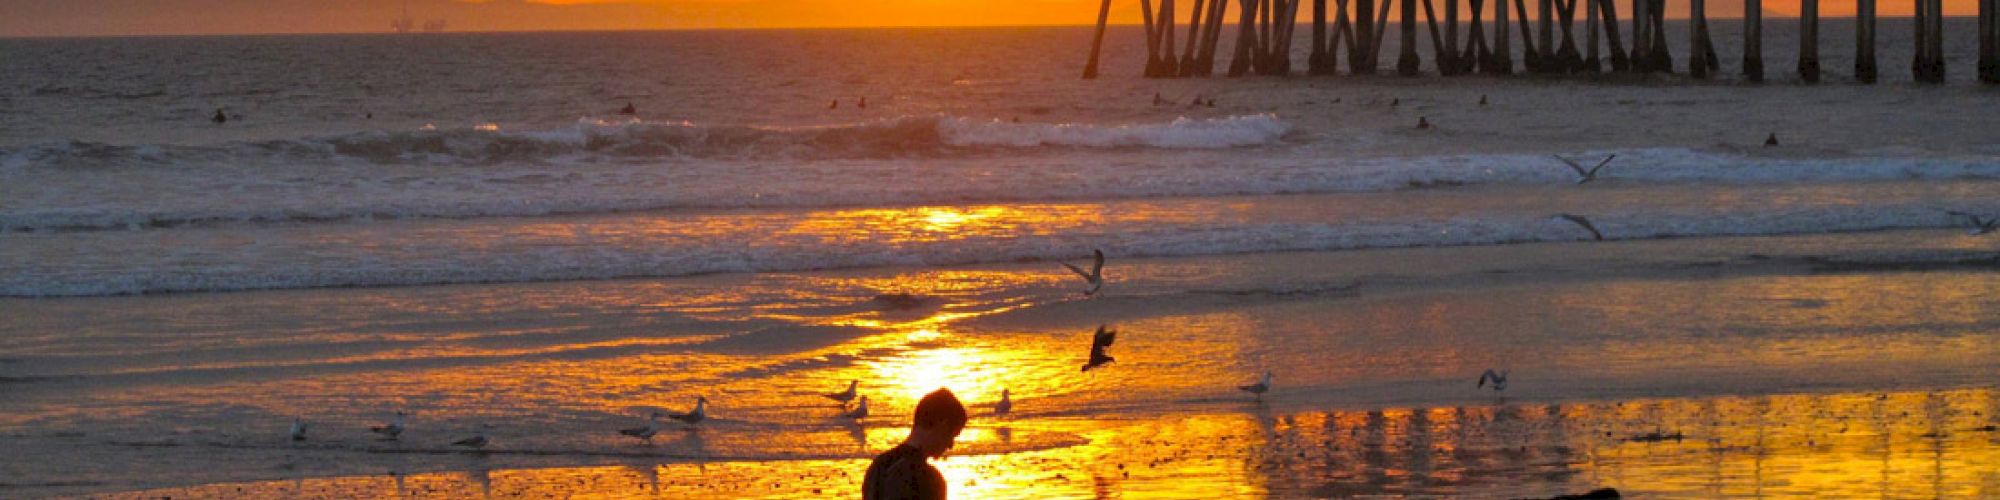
[(1567, 59), (1662, 57), (1616, 47), (1478, 55), (1097, 42), (1185, 68), (1361, 54), (1590, 27), (1697, 33), (1928, 65), (1989, 41), (1439, 52), (1864, 42), (1316, 63), (1545, 24), (1454, 58), (1753, 40), (1809, 41), (1503, 50), (1531, 57), (1642, 54), (1407, 63)]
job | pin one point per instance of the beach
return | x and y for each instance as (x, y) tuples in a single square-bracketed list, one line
[(1805, 319)]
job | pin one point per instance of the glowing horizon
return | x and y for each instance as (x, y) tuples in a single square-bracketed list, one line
[(43, 18)]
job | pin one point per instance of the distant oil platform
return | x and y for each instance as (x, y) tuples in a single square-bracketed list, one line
[(409, 25)]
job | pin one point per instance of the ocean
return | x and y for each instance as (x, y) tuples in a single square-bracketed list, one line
[(466, 226)]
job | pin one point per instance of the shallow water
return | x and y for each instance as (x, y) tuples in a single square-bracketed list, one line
[(1771, 372)]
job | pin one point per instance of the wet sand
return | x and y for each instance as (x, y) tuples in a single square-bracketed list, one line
[(1845, 365)]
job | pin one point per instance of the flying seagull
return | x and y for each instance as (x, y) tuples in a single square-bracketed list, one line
[(392, 430), (1582, 222), (1098, 343), (1259, 388), (1582, 175), (299, 427), (1096, 275), (859, 412), (1499, 379), (844, 396), (477, 441), (646, 432), (699, 413), (1980, 225), (1005, 405)]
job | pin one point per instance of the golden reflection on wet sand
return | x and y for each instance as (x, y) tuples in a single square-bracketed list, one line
[(1912, 444)]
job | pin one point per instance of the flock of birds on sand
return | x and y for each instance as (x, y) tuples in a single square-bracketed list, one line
[(1100, 343)]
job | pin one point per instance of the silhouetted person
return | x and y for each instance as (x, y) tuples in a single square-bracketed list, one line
[(628, 109), (1157, 100), (863, 104), (1211, 102), (219, 117), (1396, 102), (1423, 123), (369, 116), (903, 472), (835, 105), (1772, 140), (1482, 99)]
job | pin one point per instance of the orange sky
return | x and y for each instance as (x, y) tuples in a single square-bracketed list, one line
[(152, 17)]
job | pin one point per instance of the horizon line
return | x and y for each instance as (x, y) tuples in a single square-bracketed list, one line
[(1768, 16)]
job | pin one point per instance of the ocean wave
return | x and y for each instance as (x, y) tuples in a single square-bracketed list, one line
[(260, 259), (633, 139)]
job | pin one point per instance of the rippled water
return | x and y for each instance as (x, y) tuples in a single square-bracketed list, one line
[(462, 228)]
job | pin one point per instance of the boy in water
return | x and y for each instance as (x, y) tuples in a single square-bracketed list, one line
[(902, 473)]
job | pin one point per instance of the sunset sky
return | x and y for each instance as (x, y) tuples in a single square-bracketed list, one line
[(179, 17)]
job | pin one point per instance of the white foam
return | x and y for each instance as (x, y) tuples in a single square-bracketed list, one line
[(1234, 131)]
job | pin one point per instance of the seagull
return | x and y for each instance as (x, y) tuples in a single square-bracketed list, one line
[(859, 412), (477, 441), (1098, 343), (392, 430), (693, 417), (645, 433), (299, 427), (1499, 379), (1259, 388), (1980, 225), (219, 117), (1096, 275), (1583, 176), (844, 396), (1582, 222), (1005, 405)]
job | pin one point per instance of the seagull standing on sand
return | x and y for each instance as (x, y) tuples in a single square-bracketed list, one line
[(844, 396), (1005, 405), (1098, 343), (1096, 275), (1259, 388), (1498, 378), (477, 441), (299, 427), (392, 430), (1980, 225), (1583, 176), (1582, 222), (859, 412), (699, 413), (645, 433)]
